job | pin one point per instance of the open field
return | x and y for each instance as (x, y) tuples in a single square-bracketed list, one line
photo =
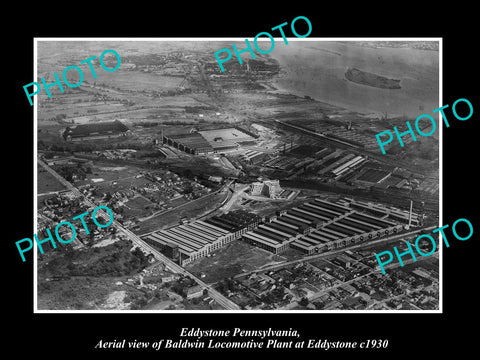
[(190, 210), (137, 81), (109, 173), (137, 207), (233, 259), (46, 182)]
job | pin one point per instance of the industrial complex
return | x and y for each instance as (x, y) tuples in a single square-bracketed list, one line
[(191, 241), (319, 225), (244, 192), (209, 141), (312, 227)]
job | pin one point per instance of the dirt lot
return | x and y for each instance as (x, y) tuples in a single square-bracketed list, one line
[(231, 260)]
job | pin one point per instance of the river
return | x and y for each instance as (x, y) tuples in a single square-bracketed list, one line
[(317, 68)]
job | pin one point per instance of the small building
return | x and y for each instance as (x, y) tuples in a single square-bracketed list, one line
[(216, 179), (194, 292)]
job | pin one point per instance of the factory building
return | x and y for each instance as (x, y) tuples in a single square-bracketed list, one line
[(189, 242), (237, 222), (210, 141), (344, 226), (389, 212), (274, 237), (194, 240), (286, 227), (191, 143), (95, 131), (254, 157), (317, 226)]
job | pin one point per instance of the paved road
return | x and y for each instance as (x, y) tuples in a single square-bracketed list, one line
[(233, 198), (219, 298), (322, 292)]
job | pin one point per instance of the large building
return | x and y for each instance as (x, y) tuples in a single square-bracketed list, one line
[(100, 130), (209, 141), (192, 143), (237, 222), (274, 236), (318, 225), (340, 225), (254, 157), (378, 210), (194, 240), (189, 242), (268, 188)]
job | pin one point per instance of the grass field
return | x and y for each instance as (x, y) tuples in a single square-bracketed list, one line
[(46, 182), (108, 173), (233, 259), (190, 210), (137, 206)]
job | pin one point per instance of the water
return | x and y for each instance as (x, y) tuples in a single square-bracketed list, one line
[(317, 68)]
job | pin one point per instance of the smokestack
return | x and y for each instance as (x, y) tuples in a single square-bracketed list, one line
[(410, 216)]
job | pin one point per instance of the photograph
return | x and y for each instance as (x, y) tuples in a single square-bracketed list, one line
[(262, 188), (215, 180)]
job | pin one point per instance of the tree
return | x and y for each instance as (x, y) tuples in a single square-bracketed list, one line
[(303, 302), (188, 189)]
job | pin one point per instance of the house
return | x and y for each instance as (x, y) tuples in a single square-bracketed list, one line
[(194, 292), (168, 277), (174, 296)]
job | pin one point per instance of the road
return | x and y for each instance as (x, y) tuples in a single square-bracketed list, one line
[(333, 252), (322, 292), (219, 298), (234, 197)]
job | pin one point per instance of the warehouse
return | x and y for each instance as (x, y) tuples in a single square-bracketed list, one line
[(317, 211), (363, 227), (226, 138), (289, 225), (371, 220), (99, 130), (254, 157), (337, 226), (266, 242), (274, 236), (372, 176), (315, 218), (335, 163), (318, 226), (348, 165), (312, 219), (194, 240), (193, 143), (281, 225), (392, 213), (237, 222)]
